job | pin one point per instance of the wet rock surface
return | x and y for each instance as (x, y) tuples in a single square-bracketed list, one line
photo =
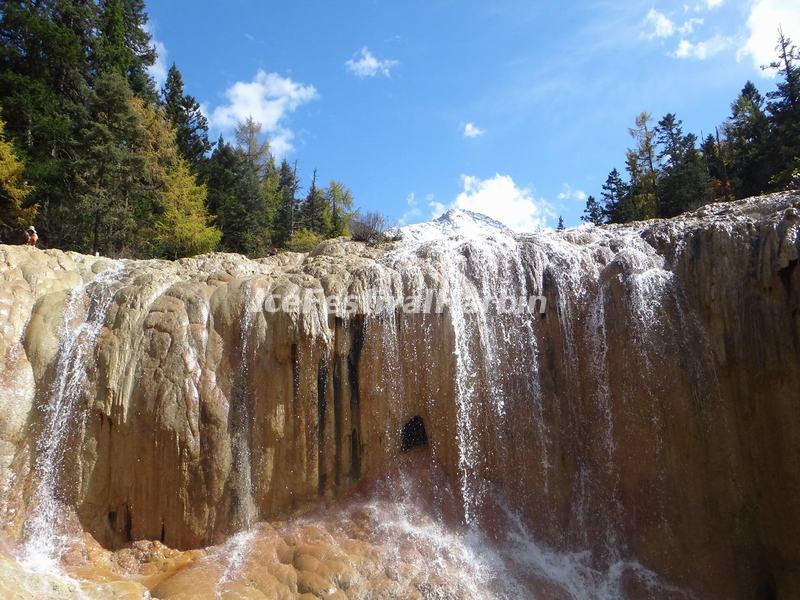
[(647, 418)]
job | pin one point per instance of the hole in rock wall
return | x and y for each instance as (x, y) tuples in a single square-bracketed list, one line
[(767, 591), (413, 434)]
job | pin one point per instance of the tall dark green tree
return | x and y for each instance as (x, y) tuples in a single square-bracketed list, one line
[(125, 45), (235, 198), (784, 109), (683, 181), (219, 174), (747, 134), (286, 218), (314, 211), (714, 160), (191, 126), (45, 90), (110, 171), (617, 204), (593, 213)]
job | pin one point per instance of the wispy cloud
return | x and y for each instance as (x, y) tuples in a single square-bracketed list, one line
[(413, 213), (702, 50), (763, 21), (689, 25), (158, 70), (365, 64), (657, 25), (472, 131), (568, 193), (268, 98)]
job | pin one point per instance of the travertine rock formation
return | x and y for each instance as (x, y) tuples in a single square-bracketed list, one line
[(650, 414)]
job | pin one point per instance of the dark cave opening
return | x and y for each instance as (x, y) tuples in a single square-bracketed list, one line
[(413, 434)]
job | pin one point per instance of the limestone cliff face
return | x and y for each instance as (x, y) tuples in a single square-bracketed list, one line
[(649, 414)]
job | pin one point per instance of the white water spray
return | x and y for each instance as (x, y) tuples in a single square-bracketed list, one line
[(84, 317)]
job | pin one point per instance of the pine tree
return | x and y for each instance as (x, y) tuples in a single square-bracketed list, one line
[(714, 160), (235, 197), (640, 163), (45, 91), (105, 170), (748, 144), (257, 152), (560, 226), (314, 212), (286, 218), (340, 202), (683, 182), (220, 175), (593, 212), (125, 45), (617, 205), (784, 110), (191, 127), (110, 171)]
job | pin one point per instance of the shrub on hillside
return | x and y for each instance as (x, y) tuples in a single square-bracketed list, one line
[(303, 240)]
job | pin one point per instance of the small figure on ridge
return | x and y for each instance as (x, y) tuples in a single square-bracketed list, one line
[(32, 236)]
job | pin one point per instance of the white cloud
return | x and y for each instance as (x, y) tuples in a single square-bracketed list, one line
[(763, 22), (658, 24), (567, 193), (471, 130), (413, 213), (437, 209), (688, 26), (701, 50), (714, 3), (365, 64), (268, 99), (499, 198), (158, 70)]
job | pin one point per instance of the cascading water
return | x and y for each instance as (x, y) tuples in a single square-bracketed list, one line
[(481, 260), (63, 417), (468, 452), (240, 414), (481, 265), (241, 418)]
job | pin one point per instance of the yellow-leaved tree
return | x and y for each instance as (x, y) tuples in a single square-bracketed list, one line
[(13, 190), (179, 224)]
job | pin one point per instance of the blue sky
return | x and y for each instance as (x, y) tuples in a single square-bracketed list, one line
[(516, 109)]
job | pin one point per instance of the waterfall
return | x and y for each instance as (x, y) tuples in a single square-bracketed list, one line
[(63, 414), (479, 261), (241, 417), (234, 552), (601, 448)]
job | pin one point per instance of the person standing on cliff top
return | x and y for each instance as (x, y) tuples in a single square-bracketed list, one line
[(32, 236)]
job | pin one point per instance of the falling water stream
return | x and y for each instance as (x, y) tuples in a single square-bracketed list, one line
[(245, 510), (84, 317)]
